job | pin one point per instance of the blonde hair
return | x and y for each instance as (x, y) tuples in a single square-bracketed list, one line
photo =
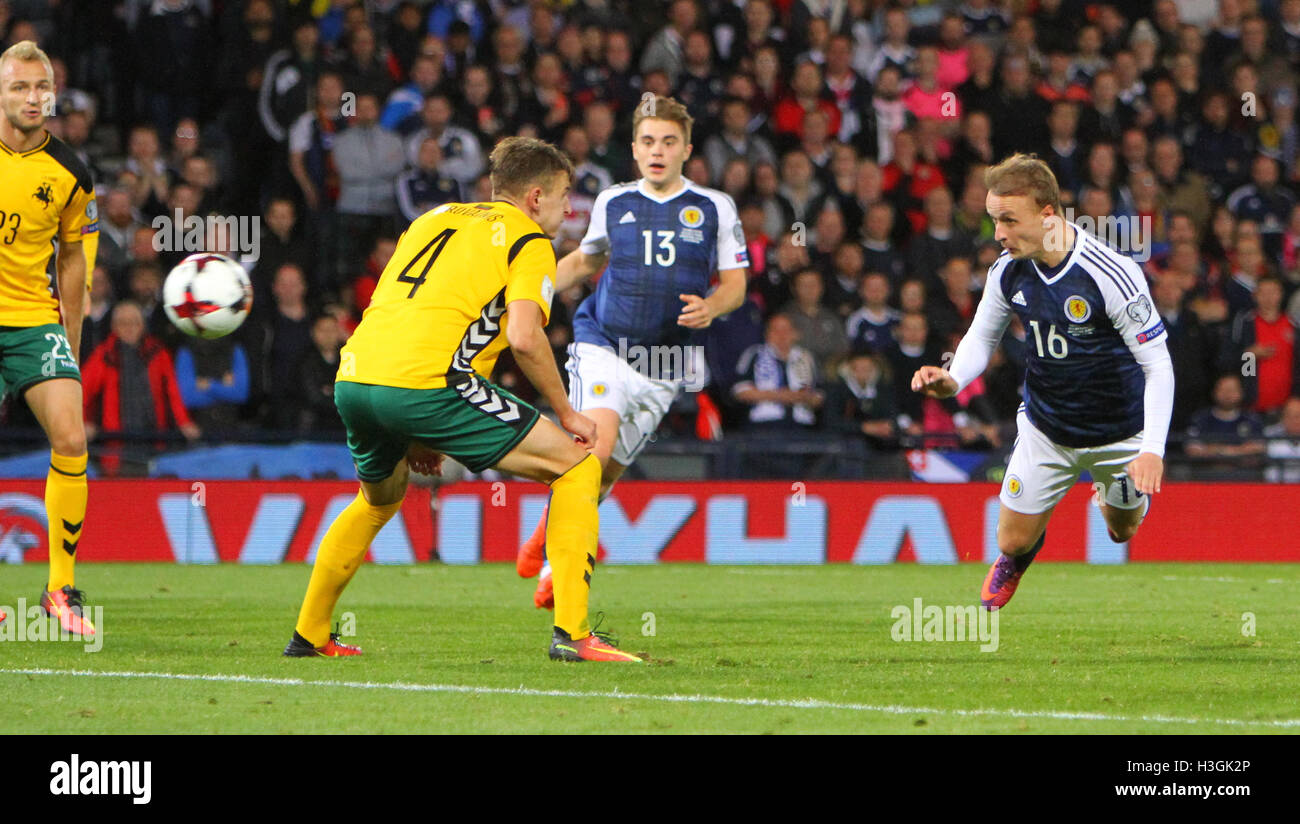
[(1024, 175), (518, 163), (27, 50), (663, 108)]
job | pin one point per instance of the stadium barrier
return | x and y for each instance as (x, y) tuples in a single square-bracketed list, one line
[(724, 522)]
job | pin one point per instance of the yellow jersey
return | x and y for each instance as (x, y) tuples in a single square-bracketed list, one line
[(440, 306), (46, 196)]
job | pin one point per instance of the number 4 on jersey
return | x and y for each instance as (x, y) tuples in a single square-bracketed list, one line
[(439, 241)]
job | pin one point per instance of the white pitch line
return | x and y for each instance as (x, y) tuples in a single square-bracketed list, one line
[(780, 703)]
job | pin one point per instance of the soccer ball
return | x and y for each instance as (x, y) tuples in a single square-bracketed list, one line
[(207, 295)]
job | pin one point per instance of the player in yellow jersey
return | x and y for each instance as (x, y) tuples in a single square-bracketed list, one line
[(466, 280), (46, 196)]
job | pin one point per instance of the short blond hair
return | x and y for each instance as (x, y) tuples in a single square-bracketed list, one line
[(519, 163), (663, 108), (1024, 175), (27, 50)]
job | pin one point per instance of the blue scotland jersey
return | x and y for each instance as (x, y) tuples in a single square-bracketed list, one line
[(1084, 325), (658, 249)]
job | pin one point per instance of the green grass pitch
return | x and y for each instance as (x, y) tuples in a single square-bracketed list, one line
[(1137, 648)]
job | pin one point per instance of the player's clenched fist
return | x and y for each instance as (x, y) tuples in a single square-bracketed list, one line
[(934, 381)]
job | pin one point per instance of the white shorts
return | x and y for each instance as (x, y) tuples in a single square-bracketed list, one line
[(600, 379), (1041, 471)]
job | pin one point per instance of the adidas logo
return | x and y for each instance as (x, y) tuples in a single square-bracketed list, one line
[(1019, 298), (627, 217)]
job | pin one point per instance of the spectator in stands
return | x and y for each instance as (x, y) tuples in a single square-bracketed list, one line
[(282, 241), (849, 90), (1248, 267), (871, 328), (778, 213), (288, 341), (773, 287), (1226, 429), (369, 159), (1284, 445), (311, 145), (401, 113), (972, 149), (908, 178), (606, 152), (894, 50), (1263, 348), (317, 412), (129, 384), (800, 186), (212, 376), (735, 140), (424, 187), (288, 81), (978, 92), (699, 87), (1064, 155), (953, 308), (844, 281), (146, 282), (925, 98), (462, 156), (150, 182), (778, 381), (363, 67), (821, 330), (545, 106), (479, 109), (889, 114), (860, 401), (666, 51), (879, 254), (589, 180), (1217, 151), (1190, 348), (909, 352), (117, 227), (940, 242), (1265, 202), (1019, 115), (806, 95), (97, 326), (828, 231), (173, 44)]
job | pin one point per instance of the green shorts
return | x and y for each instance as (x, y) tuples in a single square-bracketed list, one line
[(31, 354), (474, 421)]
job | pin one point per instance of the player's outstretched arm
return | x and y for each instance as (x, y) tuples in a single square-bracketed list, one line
[(72, 292), (532, 351), (577, 266)]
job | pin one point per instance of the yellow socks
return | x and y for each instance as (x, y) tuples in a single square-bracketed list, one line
[(338, 557), (571, 532), (65, 507)]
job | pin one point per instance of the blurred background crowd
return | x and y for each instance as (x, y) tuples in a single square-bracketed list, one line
[(852, 134)]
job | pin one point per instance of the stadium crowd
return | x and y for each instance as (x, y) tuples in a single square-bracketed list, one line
[(852, 135)]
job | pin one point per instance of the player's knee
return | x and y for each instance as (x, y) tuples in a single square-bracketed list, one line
[(69, 441)]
